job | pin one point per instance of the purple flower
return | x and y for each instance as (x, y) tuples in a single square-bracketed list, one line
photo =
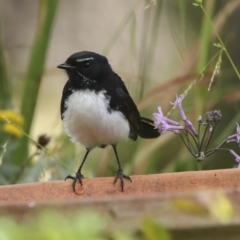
[(188, 123), (237, 157), (178, 103), (235, 137), (190, 126), (164, 124)]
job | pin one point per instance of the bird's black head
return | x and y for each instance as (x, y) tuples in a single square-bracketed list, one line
[(85, 68)]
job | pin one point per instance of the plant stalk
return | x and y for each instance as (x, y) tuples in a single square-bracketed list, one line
[(5, 96), (199, 165), (32, 79)]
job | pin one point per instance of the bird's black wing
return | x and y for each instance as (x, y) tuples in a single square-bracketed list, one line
[(67, 91), (130, 111), (123, 102)]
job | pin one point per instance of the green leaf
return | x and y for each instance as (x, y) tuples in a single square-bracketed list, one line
[(5, 90), (32, 79), (153, 231), (190, 206)]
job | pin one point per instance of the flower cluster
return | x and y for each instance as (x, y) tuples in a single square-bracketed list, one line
[(197, 142), (165, 124)]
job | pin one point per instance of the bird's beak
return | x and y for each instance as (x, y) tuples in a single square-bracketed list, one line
[(65, 66)]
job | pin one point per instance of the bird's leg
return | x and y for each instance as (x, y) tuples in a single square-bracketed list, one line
[(120, 175), (78, 175)]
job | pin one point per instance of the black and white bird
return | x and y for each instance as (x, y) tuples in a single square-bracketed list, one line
[(97, 109)]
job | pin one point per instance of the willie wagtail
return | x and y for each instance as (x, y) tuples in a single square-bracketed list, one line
[(97, 109)]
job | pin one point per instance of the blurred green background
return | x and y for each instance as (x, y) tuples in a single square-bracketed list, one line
[(159, 48)]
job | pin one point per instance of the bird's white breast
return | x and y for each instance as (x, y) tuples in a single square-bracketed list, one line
[(88, 122)]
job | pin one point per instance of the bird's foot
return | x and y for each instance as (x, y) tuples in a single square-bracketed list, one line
[(78, 177), (120, 175)]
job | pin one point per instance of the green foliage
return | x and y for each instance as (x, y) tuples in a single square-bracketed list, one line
[(153, 231), (55, 226), (83, 224)]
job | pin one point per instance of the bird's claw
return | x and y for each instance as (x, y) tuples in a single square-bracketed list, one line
[(78, 177), (120, 175)]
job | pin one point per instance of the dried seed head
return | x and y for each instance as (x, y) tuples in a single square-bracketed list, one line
[(214, 116), (43, 140)]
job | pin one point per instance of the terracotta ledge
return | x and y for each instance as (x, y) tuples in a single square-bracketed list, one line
[(147, 196), (103, 187)]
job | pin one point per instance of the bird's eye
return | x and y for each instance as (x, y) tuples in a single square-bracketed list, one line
[(86, 64)]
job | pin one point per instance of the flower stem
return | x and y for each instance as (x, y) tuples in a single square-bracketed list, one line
[(203, 138), (221, 42), (188, 146), (205, 35), (199, 165), (209, 138)]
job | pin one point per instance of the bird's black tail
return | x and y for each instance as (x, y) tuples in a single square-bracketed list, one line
[(148, 130)]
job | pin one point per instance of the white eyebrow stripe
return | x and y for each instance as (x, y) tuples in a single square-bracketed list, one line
[(84, 59)]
